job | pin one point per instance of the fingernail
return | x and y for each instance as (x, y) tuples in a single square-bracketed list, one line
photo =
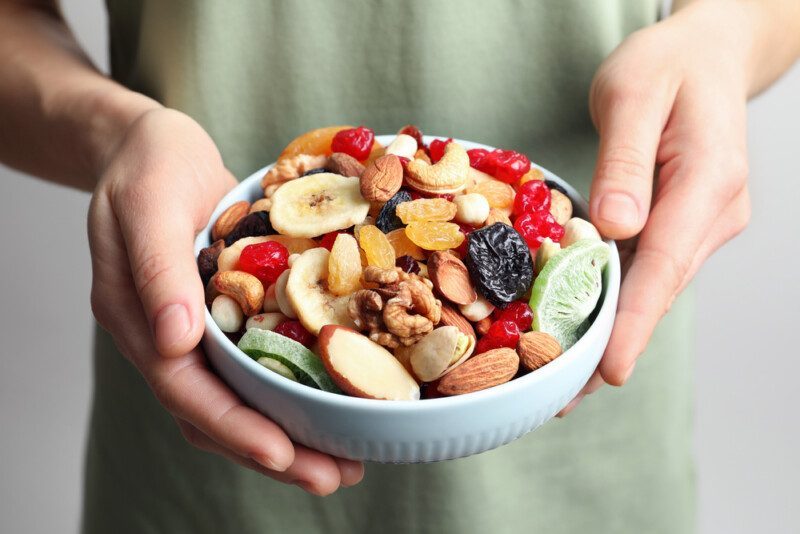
[(172, 325), (629, 372), (270, 464), (619, 209)]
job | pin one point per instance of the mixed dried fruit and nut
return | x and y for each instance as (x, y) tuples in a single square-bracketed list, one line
[(406, 271)]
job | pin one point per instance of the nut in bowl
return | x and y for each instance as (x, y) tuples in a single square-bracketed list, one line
[(400, 317)]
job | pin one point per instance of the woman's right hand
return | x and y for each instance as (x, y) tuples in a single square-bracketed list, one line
[(158, 189)]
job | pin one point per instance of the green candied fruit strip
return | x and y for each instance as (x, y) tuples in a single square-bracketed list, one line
[(304, 364)]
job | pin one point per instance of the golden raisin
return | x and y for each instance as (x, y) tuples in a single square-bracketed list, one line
[(434, 235), (376, 246), (426, 209), (403, 246), (344, 266)]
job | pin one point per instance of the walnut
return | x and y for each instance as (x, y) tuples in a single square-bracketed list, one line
[(385, 339), (365, 309), (413, 311), (381, 276), (291, 168)]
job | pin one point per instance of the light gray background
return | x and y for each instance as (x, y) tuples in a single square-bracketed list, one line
[(747, 438)]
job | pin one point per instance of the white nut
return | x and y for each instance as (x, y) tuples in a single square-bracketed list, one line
[(472, 208), (265, 321), (547, 250), (227, 314), (560, 206), (270, 302), (480, 309), (577, 229), (280, 295), (291, 259), (403, 145)]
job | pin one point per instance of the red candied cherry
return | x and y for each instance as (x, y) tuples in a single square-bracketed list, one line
[(328, 239), (534, 227), (500, 334), (356, 142), (414, 132), (508, 165), (437, 148), (517, 312), (479, 159), (266, 261), (533, 195), (294, 330)]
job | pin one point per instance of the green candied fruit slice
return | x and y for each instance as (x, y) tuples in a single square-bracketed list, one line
[(306, 366), (566, 292)]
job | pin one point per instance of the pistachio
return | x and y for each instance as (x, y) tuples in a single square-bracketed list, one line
[(577, 229), (438, 352)]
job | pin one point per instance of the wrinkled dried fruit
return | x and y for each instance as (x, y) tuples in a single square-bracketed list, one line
[(344, 266), (408, 264), (435, 235), (403, 246), (499, 264), (387, 218), (255, 224), (329, 238), (207, 260), (426, 209), (436, 148), (376, 246), (266, 261), (535, 227), (356, 142), (532, 196), (293, 329), (500, 334), (517, 312)]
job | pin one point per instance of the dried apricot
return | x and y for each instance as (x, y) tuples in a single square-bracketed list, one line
[(376, 246), (435, 235), (533, 174), (314, 142), (499, 194), (403, 246), (344, 266), (426, 209)]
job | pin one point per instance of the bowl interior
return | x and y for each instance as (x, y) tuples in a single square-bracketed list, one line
[(249, 189)]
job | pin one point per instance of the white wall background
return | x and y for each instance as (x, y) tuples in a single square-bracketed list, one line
[(747, 438)]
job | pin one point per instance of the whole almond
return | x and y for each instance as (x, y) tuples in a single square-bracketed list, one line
[(537, 349), (450, 317), (227, 221), (482, 326), (382, 178), (491, 368), (451, 278), (344, 164)]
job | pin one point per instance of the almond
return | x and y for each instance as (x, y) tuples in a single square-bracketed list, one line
[(451, 278), (227, 221), (344, 164), (451, 317), (537, 349), (382, 179), (491, 368)]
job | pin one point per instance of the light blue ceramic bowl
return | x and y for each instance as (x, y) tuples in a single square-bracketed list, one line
[(412, 431)]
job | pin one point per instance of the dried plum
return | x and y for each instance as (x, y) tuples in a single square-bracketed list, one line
[(408, 264), (207, 260), (499, 264), (255, 224), (387, 218)]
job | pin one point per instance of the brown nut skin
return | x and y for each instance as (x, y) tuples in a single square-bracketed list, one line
[(482, 326), (227, 221), (451, 278), (344, 164), (560, 207), (245, 288), (536, 349), (382, 179), (451, 317), (488, 369)]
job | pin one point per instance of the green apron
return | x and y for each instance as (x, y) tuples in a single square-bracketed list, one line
[(507, 73)]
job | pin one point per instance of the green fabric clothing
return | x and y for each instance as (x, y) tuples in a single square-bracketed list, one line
[(507, 73)]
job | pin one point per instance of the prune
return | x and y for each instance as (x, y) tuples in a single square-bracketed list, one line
[(499, 264), (408, 264), (387, 218), (555, 185), (255, 224), (315, 171), (207, 260)]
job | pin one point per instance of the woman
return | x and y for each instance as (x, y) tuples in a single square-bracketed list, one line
[(205, 91)]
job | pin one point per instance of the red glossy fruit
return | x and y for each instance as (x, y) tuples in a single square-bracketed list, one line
[(534, 227), (356, 142), (509, 166), (294, 330), (414, 132), (532, 196), (328, 239), (478, 160), (436, 149), (265, 261), (518, 313), (500, 334)]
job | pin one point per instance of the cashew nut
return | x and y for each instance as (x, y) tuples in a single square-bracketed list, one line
[(245, 288), (448, 175)]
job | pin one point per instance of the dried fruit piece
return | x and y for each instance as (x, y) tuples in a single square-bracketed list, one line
[(532, 196), (413, 131), (517, 312), (344, 266), (407, 264), (254, 224), (356, 142), (207, 260), (266, 261), (329, 238), (227, 220), (498, 194), (499, 264), (314, 142), (294, 330), (500, 334), (508, 165), (535, 227), (435, 235), (477, 159), (403, 246), (426, 209), (376, 246), (387, 219), (436, 148), (533, 174)]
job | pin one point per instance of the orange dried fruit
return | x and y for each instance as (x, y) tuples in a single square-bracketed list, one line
[(499, 194), (344, 266), (533, 174), (435, 235), (403, 246), (315, 142), (376, 246), (426, 209)]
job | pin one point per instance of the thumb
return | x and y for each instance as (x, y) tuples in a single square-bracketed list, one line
[(630, 131)]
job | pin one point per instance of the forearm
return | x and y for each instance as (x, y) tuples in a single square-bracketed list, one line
[(59, 117), (767, 32)]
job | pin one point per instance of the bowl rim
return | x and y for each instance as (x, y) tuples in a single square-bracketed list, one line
[(609, 297)]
